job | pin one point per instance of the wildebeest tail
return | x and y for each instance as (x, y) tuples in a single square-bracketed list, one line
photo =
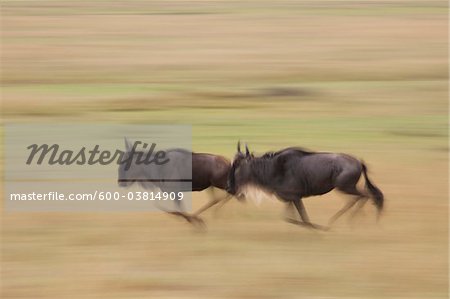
[(377, 195)]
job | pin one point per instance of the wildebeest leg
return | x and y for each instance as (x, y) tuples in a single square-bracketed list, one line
[(304, 216), (290, 216), (360, 205), (289, 211), (179, 204), (222, 203), (189, 218), (214, 200), (301, 210), (194, 218), (347, 184), (342, 211)]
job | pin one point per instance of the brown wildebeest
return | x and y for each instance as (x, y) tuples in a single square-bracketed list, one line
[(208, 172)]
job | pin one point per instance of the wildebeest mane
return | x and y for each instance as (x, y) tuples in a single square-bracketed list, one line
[(263, 170), (297, 150)]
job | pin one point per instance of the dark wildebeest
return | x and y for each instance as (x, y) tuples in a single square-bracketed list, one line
[(294, 173), (208, 172)]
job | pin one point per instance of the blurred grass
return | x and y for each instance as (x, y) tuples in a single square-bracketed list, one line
[(368, 78), (347, 8)]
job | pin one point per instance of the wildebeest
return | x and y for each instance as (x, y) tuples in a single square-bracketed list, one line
[(294, 173), (186, 172)]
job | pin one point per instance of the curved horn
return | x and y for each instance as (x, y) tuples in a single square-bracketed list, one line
[(239, 146), (127, 144), (247, 152)]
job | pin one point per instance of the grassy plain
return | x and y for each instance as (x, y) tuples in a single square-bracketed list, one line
[(363, 77)]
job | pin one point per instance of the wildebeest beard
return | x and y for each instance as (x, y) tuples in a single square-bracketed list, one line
[(254, 180)]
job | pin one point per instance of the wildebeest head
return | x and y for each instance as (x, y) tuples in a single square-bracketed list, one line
[(240, 170)]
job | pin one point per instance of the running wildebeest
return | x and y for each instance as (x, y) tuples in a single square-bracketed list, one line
[(205, 171), (294, 173)]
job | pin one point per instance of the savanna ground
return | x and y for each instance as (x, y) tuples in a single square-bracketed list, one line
[(362, 77)]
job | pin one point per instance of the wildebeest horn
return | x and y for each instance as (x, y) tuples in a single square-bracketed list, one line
[(239, 146), (127, 144), (247, 152)]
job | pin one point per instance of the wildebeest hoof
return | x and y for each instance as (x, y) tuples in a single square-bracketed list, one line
[(320, 227), (194, 220), (185, 216), (307, 224), (197, 221)]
